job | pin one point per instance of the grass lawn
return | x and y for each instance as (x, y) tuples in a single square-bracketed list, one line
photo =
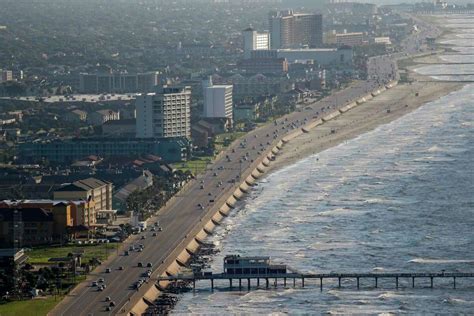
[(35, 307), (43, 254), (196, 166)]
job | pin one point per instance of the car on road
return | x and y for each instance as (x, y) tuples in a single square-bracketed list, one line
[(160, 229), (143, 237), (149, 264), (120, 268), (101, 280), (140, 264), (107, 298), (108, 270), (154, 234), (126, 253), (94, 283), (112, 303)]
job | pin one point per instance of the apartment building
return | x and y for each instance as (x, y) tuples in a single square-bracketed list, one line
[(90, 189), (107, 82)]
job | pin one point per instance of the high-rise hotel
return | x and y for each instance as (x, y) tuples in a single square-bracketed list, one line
[(165, 113), (295, 30)]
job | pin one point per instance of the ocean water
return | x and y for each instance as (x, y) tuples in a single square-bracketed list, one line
[(398, 198)]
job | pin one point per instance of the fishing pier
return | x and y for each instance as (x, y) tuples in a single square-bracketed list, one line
[(301, 278), (259, 269)]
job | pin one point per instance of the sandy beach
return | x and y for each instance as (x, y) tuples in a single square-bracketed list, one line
[(387, 107)]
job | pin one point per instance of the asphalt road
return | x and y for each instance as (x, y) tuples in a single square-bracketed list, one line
[(181, 216)]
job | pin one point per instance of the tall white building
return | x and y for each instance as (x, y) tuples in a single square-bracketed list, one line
[(165, 113), (217, 100), (254, 40)]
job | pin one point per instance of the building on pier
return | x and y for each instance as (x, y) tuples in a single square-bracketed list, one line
[(236, 265)]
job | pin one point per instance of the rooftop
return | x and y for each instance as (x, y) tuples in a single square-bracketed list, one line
[(307, 50), (78, 98)]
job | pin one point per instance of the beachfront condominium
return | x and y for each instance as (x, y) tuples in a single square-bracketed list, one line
[(217, 100), (254, 40), (294, 30), (164, 113)]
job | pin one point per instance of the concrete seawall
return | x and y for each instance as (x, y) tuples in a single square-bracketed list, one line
[(190, 245)]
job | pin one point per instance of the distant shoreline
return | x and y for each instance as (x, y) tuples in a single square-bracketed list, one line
[(385, 108)]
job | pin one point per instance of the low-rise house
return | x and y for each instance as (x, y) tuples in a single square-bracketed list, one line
[(214, 126), (139, 184), (247, 111), (76, 116), (101, 116), (200, 135), (119, 128)]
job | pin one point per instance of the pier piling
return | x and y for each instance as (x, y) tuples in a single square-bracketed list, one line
[(454, 282), (321, 284), (266, 280), (284, 282), (357, 282), (248, 284), (339, 282), (396, 282), (413, 282), (376, 282), (240, 284), (302, 282), (230, 283), (431, 282)]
